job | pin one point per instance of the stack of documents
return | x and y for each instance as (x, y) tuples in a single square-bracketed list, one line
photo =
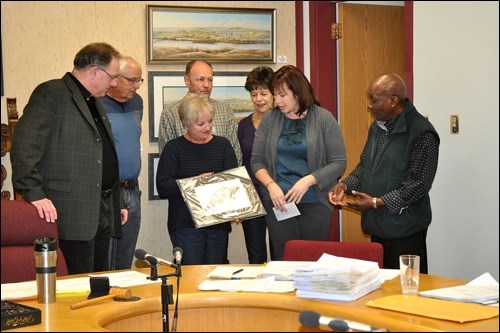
[(482, 290), (337, 278), (284, 270)]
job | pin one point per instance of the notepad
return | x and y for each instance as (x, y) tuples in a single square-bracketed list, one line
[(235, 272)]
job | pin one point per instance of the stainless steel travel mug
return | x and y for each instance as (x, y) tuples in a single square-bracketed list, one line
[(46, 269)]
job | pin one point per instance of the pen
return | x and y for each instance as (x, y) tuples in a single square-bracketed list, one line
[(238, 271)]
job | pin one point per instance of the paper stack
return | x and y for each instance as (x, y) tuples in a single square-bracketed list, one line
[(337, 278), (284, 270), (482, 290)]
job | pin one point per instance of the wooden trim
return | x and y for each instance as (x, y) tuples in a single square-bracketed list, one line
[(323, 54), (299, 35), (409, 48)]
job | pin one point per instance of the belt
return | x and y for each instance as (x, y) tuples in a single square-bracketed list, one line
[(129, 183), (106, 193)]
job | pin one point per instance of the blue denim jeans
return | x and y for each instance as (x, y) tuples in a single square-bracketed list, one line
[(201, 246), (121, 250)]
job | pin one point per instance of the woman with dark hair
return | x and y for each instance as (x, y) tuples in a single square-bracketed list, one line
[(257, 83), (298, 155)]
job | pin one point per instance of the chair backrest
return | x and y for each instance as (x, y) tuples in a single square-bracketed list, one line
[(310, 250), (21, 225)]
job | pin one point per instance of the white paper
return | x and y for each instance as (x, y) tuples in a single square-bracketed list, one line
[(388, 274), (337, 278), (250, 285), (292, 211), (483, 290), (283, 270), (222, 197), (229, 272), (350, 295)]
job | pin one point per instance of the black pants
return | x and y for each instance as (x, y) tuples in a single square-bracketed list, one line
[(92, 255), (414, 244)]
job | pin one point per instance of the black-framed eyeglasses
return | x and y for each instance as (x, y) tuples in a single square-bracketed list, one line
[(133, 81), (111, 77)]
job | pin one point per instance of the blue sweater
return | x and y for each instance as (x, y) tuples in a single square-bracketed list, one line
[(125, 119)]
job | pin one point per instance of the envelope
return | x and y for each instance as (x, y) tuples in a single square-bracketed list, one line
[(435, 308)]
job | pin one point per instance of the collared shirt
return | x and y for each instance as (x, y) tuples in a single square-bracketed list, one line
[(109, 161), (223, 124)]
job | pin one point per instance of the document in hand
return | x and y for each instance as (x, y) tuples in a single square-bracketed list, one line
[(483, 290)]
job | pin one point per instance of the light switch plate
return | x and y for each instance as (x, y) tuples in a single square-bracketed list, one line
[(454, 124)]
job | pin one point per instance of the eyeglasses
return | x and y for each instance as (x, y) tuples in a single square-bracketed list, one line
[(111, 77), (133, 81)]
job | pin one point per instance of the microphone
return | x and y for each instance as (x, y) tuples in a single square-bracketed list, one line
[(314, 319), (153, 260), (177, 251)]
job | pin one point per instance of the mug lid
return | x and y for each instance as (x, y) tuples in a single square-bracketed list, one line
[(44, 244)]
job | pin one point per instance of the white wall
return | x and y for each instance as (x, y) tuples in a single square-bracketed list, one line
[(456, 72)]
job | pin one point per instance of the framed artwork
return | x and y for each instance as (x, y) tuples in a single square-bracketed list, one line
[(153, 160), (168, 87), (224, 35), (221, 197)]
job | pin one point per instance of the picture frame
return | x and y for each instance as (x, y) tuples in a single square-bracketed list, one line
[(168, 87), (224, 35), (153, 159), (221, 197)]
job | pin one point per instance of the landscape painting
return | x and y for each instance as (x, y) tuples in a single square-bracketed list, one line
[(222, 35)]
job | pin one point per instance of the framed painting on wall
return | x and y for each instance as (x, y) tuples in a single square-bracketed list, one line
[(153, 160), (168, 87), (224, 35)]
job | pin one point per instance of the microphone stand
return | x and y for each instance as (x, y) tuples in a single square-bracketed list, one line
[(166, 292), (176, 311)]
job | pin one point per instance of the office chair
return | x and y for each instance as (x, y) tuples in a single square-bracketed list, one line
[(21, 225), (311, 250)]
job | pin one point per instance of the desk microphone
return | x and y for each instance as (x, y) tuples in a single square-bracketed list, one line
[(153, 260), (177, 251), (314, 319)]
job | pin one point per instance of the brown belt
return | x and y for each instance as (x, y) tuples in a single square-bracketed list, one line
[(130, 183)]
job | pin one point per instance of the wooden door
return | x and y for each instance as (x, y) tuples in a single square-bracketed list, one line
[(372, 43)]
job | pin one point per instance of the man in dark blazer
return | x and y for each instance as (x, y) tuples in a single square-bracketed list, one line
[(64, 160)]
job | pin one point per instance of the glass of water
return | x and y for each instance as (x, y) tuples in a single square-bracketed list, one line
[(409, 268)]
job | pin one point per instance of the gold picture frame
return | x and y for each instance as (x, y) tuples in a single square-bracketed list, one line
[(219, 35)]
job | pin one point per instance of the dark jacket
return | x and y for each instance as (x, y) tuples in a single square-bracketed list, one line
[(57, 154)]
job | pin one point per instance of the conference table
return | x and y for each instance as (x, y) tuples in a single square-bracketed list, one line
[(218, 311)]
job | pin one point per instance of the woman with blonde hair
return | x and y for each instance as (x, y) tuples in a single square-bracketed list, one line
[(196, 153)]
